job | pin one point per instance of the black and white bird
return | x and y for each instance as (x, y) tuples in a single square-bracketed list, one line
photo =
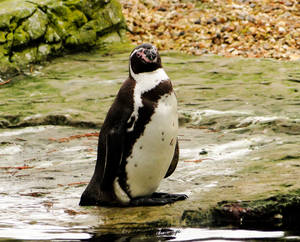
[(138, 144)]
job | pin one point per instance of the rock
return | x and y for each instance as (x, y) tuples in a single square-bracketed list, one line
[(109, 38), (35, 30), (21, 37), (2, 37), (23, 57), (51, 36), (239, 159), (280, 211), (36, 25)]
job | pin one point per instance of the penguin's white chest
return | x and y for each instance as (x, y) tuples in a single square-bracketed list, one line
[(153, 152)]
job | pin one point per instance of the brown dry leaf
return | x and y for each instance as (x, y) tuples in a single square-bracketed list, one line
[(72, 212), (16, 167), (77, 183), (4, 82), (197, 161), (78, 136)]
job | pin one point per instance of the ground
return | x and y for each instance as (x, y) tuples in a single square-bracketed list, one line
[(239, 138), (256, 28)]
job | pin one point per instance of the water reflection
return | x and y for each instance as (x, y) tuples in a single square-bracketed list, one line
[(194, 234), (53, 233)]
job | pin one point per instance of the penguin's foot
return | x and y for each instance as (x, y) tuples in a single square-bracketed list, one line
[(157, 199)]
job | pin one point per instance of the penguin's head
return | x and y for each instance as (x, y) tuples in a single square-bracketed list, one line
[(144, 58)]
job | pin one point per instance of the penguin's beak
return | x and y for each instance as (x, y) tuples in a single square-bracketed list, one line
[(147, 55), (151, 54)]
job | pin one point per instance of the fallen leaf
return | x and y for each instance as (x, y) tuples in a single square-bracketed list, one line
[(198, 161), (5, 82), (34, 194), (16, 167), (77, 183), (78, 136)]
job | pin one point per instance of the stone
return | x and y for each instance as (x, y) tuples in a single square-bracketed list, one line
[(109, 38), (21, 37), (51, 35), (2, 37), (12, 11), (36, 25), (32, 31), (24, 57), (43, 51), (250, 173)]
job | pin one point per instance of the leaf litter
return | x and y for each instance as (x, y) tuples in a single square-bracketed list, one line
[(248, 28)]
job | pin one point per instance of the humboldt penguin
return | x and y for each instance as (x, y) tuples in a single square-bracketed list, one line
[(138, 144)]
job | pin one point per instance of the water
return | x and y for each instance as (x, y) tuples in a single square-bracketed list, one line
[(38, 232), (41, 201)]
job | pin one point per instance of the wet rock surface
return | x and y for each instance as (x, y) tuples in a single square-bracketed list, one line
[(239, 145), (32, 31)]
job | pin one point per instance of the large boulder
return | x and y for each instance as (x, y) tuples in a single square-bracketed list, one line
[(32, 31)]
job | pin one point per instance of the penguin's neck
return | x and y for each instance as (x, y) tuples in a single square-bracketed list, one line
[(145, 81)]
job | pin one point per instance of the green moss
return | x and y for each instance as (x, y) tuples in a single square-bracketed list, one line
[(21, 37), (11, 12), (108, 39), (196, 218), (102, 21), (63, 12), (114, 9), (43, 51), (78, 18), (42, 28), (72, 41), (5, 20), (3, 51), (26, 56), (8, 45), (116, 48), (2, 37), (86, 36), (36, 25), (59, 18), (51, 35), (56, 48), (19, 90), (278, 211)]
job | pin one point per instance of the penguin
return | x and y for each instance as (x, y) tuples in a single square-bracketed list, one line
[(138, 144)]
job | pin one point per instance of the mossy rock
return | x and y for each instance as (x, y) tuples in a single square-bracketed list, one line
[(51, 36), (32, 31), (279, 211), (23, 57), (21, 37), (13, 11), (36, 25), (2, 37)]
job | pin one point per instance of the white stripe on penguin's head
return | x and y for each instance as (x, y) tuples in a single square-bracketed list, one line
[(136, 50)]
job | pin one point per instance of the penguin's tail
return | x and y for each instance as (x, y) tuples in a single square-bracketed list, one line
[(94, 196)]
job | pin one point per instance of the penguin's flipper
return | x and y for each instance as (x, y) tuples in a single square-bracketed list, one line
[(174, 162), (157, 199), (113, 157)]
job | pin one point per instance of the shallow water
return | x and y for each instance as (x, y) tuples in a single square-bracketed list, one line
[(41, 202), (165, 234), (239, 141)]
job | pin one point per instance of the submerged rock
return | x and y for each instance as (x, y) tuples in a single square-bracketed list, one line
[(32, 31), (280, 211)]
